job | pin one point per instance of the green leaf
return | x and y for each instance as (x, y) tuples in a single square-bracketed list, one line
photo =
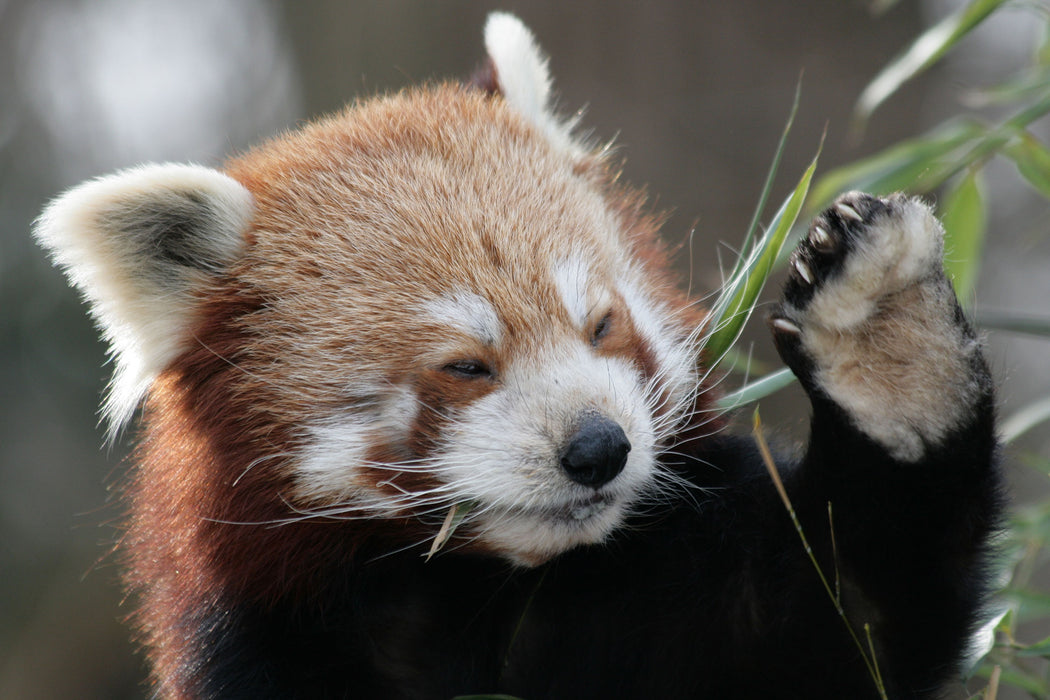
[(997, 139), (879, 7), (1027, 84), (965, 222), (1019, 678), (922, 164), (1025, 419), (926, 50), (1041, 648), (1032, 160), (1014, 323), (915, 165), (1037, 462), (743, 363), (1042, 55), (737, 298), (1032, 604), (758, 389)]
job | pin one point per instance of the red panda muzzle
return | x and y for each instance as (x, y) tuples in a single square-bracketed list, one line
[(596, 453)]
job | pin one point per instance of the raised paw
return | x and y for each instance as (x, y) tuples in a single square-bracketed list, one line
[(856, 252), (869, 320)]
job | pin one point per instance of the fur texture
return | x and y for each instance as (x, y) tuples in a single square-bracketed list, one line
[(440, 308)]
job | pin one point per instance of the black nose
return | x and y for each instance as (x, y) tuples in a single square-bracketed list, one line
[(596, 452)]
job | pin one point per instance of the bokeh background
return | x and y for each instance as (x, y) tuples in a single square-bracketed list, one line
[(694, 93)]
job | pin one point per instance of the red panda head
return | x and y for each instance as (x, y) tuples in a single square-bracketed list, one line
[(434, 299)]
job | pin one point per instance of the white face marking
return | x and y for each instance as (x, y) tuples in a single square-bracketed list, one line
[(581, 296), (571, 278), (327, 468), (467, 313), (502, 453), (676, 357)]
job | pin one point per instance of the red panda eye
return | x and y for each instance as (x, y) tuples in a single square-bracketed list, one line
[(601, 329), (468, 369)]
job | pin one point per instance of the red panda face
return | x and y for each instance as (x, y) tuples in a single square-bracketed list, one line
[(454, 311), (432, 301)]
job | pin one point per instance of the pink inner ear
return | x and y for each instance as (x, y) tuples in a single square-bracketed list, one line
[(486, 78)]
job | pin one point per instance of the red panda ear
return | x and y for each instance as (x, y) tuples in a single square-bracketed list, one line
[(520, 72), (139, 245)]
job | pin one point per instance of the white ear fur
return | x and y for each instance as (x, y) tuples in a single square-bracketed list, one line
[(521, 70), (137, 245)]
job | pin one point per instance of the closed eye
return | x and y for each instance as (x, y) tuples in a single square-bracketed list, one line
[(468, 369), (601, 329)]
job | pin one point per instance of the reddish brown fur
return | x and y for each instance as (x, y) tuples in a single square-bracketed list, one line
[(277, 335)]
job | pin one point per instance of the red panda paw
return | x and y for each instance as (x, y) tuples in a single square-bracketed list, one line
[(870, 321)]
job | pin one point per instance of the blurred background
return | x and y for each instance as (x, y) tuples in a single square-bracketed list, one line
[(695, 95)]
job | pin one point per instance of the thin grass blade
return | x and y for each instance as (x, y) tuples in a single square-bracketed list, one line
[(767, 186), (455, 516)]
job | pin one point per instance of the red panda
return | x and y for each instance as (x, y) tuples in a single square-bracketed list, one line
[(424, 414)]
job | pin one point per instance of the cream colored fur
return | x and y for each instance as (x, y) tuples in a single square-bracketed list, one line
[(142, 304), (882, 336)]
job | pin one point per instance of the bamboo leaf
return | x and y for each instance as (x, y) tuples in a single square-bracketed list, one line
[(1019, 678), (1025, 419), (915, 165), (758, 389), (997, 139), (1041, 648), (738, 297), (1014, 323), (1042, 55), (1032, 160), (1030, 83), (926, 50), (1031, 604), (965, 221), (1037, 462), (743, 363), (924, 163)]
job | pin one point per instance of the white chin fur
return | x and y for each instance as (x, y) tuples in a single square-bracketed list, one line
[(529, 539)]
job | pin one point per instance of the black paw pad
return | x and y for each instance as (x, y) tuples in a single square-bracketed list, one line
[(832, 236)]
